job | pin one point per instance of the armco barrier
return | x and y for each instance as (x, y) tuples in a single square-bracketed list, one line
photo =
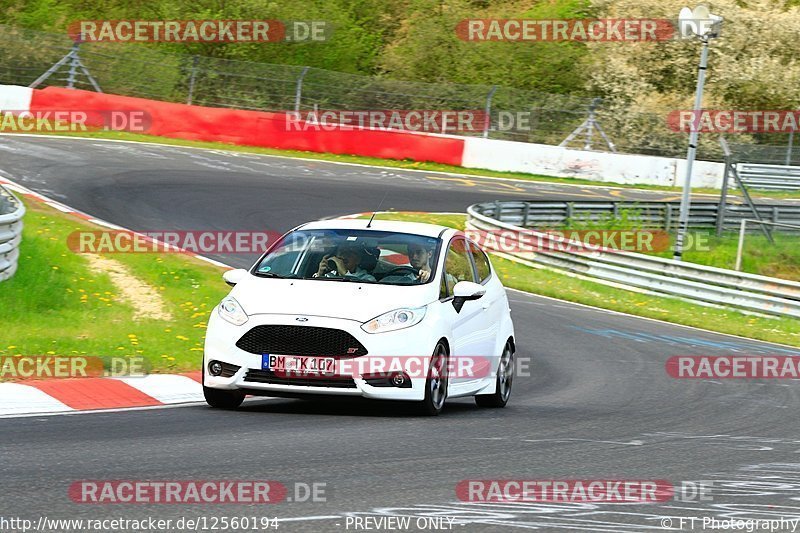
[(254, 128), (661, 215), (674, 278), (11, 213)]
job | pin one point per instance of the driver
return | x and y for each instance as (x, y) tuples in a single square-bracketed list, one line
[(348, 259), (420, 258)]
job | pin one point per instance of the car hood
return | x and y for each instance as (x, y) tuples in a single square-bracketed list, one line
[(335, 299)]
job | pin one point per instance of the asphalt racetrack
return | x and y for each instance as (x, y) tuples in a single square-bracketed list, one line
[(597, 404)]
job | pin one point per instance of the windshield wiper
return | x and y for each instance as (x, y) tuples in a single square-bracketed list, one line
[(346, 279), (267, 275)]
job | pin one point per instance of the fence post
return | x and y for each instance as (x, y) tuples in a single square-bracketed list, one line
[(195, 60), (299, 90), (73, 66), (723, 198), (487, 119), (742, 228), (526, 211), (668, 217)]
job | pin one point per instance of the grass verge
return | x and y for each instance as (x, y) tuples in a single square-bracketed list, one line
[(402, 164), (548, 283), (56, 304)]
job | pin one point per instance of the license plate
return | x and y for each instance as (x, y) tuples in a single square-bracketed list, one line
[(298, 364)]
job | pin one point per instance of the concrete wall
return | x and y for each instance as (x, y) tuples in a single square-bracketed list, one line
[(509, 156)]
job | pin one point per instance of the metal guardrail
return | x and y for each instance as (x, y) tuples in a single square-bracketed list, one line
[(675, 278), (11, 213), (660, 215), (775, 177)]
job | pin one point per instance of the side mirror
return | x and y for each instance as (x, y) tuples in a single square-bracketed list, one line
[(465, 291), (232, 277)]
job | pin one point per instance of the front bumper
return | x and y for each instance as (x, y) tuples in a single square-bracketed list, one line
[(415, 342)]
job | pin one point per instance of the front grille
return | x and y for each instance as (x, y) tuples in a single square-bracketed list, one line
[(301, 340), (265, 376)]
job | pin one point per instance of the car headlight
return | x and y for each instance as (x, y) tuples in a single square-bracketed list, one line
[(230, 310), (394, 320)]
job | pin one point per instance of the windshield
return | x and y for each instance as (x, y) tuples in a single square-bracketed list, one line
[(360, 256)]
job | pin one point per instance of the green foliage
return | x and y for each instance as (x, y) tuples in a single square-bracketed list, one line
[(427, 48), (404, 39)]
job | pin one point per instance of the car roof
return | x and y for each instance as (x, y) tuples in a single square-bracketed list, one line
[(412, 228)]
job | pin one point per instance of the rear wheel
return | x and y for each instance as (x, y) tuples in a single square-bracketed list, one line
[(505, 377), (436, 383)]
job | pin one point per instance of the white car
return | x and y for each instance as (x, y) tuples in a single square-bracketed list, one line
[(379, 309)]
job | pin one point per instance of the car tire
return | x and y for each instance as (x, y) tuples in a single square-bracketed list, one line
[(436, 383), (223, 399), (505, 377)]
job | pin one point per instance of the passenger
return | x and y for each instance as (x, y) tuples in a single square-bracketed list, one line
[(348, 260)]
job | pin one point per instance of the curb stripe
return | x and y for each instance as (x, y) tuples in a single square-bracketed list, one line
[(94, 393), (166, 388), (16, 399)]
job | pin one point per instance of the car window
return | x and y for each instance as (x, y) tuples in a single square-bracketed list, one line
[(481, 262), (457, 265), (356, 255)]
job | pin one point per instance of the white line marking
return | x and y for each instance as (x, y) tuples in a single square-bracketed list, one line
[(123, 409), (101, 222), (303, 518)]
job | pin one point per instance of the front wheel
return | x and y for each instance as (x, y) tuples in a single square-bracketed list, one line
[(436, 383), (505, 377), (223, 399)]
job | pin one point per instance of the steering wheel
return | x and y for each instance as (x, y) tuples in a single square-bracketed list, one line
[(398, 271)]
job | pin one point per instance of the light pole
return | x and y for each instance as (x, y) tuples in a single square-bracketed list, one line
[(703, 24)]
